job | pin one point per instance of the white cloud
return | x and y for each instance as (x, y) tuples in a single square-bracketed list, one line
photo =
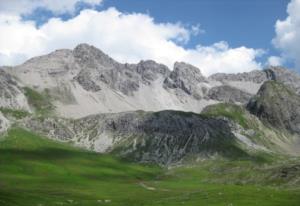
[(275, 61), (288, 33), (18, 40), (219, 57), (28, 6), (125, 37)]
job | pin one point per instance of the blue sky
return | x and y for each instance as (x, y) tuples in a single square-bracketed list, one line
[(247, 23), (237, 23), (240, 22)]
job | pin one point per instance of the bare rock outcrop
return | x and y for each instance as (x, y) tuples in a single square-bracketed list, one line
[(226, 93), (187, 78), (85, 81), (278, 105), (164, 137), (11, 94)]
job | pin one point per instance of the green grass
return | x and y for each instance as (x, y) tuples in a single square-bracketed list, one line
[(231, 111), (38, 171), (18, 114), (41, 102), (260, 133)]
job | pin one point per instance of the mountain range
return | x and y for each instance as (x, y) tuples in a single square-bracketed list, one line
[(149, 113)]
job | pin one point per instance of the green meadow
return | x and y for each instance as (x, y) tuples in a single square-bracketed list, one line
[(36, 171)]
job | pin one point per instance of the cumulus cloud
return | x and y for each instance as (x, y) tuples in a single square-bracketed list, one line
[(288, 34), (219, 57), (127, 37), (275, 61), (56, 6)]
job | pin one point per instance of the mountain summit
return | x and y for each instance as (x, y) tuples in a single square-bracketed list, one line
[(148, 112), (86, 81)]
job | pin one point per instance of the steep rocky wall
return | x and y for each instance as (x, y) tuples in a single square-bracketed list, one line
[(161, 137), (278, 105)]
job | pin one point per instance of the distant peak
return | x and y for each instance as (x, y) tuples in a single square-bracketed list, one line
[(83, 45), (148, 62), (186, 68), (279, 73), (151, 64), (92, 56), (150, 68), (278, 69), (87, 48)]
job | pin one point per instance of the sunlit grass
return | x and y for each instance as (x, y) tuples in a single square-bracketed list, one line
[(38, 171)]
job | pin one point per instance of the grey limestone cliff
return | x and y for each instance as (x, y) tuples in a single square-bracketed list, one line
[(229, 94), (159, 137), (86, 81), (11, 93), (187, 78), (278, 105)]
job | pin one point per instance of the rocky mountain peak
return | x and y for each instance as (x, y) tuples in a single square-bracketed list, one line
[(88, 49), (227, 93), (152, 65), (150, 70), (256, 76), (92, 57), (186, 70), (97, 69), (278, 105), (288, 77), (187, 78), (57, 59), (87, 76)]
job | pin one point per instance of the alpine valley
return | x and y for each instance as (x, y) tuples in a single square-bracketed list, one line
[(79, 128)]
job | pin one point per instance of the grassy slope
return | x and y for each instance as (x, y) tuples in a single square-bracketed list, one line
[(18, 114), (231, 111), (264, 134), (38, 171), (41, 102)]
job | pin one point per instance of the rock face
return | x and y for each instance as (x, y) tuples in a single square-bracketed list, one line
[(83, 78), (288, 77), (127, 78), (98, 67), (159, 137), (126, 108), (151, 71), (86, 81), (278, 105), (253, 76), (186, 78), (165, 137), (169, 137), (11, 94), (226, 93)]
